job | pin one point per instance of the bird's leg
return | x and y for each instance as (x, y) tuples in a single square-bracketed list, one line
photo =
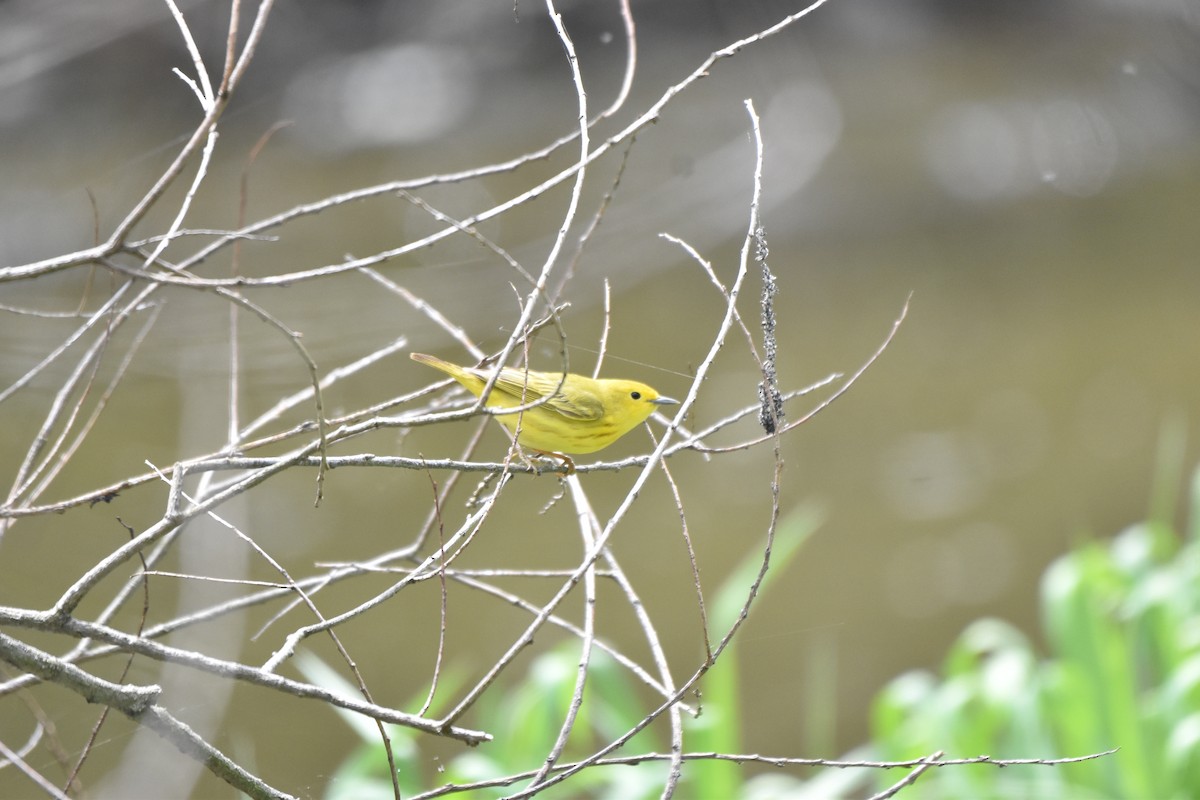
[(561, 458), (519, 452), (565, 464)]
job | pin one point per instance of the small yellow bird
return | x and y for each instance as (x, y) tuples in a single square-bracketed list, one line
[(584, 414)]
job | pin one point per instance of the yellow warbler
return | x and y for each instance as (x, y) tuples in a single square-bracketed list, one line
[(584, 414)]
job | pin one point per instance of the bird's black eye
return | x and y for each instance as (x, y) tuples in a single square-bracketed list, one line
[(636, 395)]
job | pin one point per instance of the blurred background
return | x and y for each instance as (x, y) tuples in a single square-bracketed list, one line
[(1029, 172)]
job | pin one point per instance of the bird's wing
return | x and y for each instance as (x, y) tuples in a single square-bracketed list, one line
[(533, 386)]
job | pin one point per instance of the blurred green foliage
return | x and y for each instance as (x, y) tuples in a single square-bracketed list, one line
[(1122, 627)]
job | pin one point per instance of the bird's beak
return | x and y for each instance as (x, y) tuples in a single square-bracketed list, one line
[(665, 401)]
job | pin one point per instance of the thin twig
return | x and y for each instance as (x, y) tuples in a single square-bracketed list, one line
[(587, 640), (13, 758), (910, 778), (772, 761), (643, 476)]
